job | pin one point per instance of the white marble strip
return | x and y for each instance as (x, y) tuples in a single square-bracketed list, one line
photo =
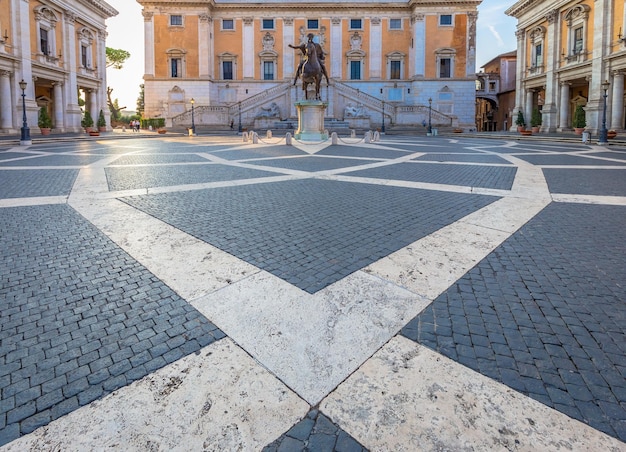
[(219, 399), (34, 201), (590, 199), (409, 398)]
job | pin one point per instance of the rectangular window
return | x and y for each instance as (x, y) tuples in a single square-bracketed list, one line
[(45, 44), (228, 24), (355, 24), (176, 20), (355, 70), (268, 70), (227, 68), (395, 70), (538, 55), (312, 24), (175, 67), (578, 40), (83, 55), (445, 19), (268, 24), (445, 68), (395, 24)]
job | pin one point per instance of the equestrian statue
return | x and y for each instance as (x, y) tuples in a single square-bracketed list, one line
[(312, 68)]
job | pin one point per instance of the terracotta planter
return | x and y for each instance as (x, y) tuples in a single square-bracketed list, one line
[(520, 128), (161, 131), (611, 134), (94, 133), (579, 130), (45, 130), (526, 133), (535, 129), (102, 129)]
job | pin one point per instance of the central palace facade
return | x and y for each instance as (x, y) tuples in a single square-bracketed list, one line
[(393, 62)]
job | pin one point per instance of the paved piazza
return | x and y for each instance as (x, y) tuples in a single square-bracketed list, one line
[(413, 294)]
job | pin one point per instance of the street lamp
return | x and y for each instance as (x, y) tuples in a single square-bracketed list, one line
[(430, 110), (240, 117), (25, 138), (383, 128), (193, 122), (603, 131)]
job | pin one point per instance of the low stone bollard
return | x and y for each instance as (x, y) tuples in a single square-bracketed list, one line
[(334, 138), (288, 139), (255, 138), (377, 136), (368, 138), (352, 133), (269, 134), (244, 136)]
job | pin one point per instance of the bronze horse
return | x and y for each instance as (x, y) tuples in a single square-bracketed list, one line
[(311, 71)]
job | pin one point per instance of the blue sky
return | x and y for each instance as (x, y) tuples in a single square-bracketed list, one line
[(495, 35)]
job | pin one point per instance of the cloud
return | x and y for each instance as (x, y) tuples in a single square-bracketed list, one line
[(496, 35)]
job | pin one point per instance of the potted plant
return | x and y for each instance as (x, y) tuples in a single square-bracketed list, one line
[(44, 121), (611, 134), (520, 122), (579, 122), (87, 121), (102, 124), (535, 120)]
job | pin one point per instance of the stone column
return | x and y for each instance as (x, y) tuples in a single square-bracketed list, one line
[(71, 108), (419, 44), (549, 111), (617, 106), (205, 55), (59, 123), (6, 103), (92, 101), (520, 72), (529, 106), (248, 48), (376, 49), (288, 53), (148, 33), (336, 57), (471, 44), (564, 119)]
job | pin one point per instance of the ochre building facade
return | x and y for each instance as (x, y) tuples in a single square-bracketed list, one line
[(571, 53), (58, 48), (385, 60)]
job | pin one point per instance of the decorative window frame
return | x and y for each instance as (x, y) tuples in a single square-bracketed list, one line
[(451, 24), (400, 28), (445, 101), (442, 53), (263, 27), (173, 54), (350, 24), (227, 56), (182, 21), (228, 29), (268, 56), (575, 18), (396, 56), (536, 38), (47, 20), (85, 38), (355, 55), (309, 23)]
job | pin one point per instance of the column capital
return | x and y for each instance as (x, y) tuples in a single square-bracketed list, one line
[(5, 73), (147, 15)]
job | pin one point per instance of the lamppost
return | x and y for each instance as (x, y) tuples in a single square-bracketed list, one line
[(383, 128), (430, 110), (603, 132), (25, 138), (193, 122), (240, 118)]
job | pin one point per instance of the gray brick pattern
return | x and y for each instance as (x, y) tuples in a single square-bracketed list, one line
[(40, 182), (440, 173), (545, 314), (465, 158), (120, 178), (315, 433), (606, 182), (258, 153), (79, 318), (158, 159), (564, 159), (54, 160), (364, 152), (311, 233), (312, 163)]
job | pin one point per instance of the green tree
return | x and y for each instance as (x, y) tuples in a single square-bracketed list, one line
[(116, 58), (140, 101)]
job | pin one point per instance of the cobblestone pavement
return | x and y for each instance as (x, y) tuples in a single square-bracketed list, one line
[(202, 293)]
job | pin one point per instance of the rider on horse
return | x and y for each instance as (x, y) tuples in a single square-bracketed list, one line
[(320, 57)]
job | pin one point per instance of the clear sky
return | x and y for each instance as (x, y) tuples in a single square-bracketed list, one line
[(495, 35)]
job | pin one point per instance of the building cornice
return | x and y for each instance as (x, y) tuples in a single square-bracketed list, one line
[(521, 7)]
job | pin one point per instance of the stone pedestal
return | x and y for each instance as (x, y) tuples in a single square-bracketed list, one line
[(311, 120)]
